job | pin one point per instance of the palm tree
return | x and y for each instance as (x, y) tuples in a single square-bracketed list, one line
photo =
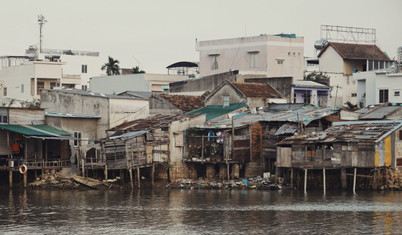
[(112, 67), (136, 69)]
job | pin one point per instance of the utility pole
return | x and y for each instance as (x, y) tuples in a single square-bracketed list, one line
[(41, 22)]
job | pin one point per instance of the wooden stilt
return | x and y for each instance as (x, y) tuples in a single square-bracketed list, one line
[(343, 178), (138, 177), (131, 177), (25, 179), (121, 176), (153, 174), (354, 180), (10, 178), (106, 172), (305, 180), (291, 177), (83, 167), (227, 169), (324, 182)]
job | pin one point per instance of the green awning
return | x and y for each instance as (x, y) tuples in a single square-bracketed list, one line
[(37, 131)]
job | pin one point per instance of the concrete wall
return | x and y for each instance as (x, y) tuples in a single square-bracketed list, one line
[(207, 83), (331, 61), (58, 101), (26, 116), (346, 87), (132, 82), (370, 83), (258, 54), (226, 90), (121, 110), (19, 80)]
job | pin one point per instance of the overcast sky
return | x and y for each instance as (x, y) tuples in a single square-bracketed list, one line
[(153, 34)]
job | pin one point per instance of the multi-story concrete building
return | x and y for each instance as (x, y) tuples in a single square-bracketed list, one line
[(375, 87), (341, 60), (279, 55), (24, 82), (78, 66)]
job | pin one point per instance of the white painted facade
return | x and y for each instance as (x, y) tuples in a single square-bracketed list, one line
[(78, 66), (343, 87), (24, 82), (270, 55), (370, 83), (133, 82)]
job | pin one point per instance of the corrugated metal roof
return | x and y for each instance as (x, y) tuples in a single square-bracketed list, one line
[(357, 131), (213, 111), (379, 113), (305, 115), (129, 135), (87, 93), (302, 83), (287, 128), (70, 115)]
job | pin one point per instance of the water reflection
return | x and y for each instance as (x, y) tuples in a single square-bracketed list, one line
[(199, 211)]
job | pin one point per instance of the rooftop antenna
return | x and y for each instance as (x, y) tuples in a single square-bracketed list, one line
[(41, 22)]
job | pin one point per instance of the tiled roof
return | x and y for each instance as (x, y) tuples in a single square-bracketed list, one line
[(213, 111), (257, 90), (185, 103), (357, 51)]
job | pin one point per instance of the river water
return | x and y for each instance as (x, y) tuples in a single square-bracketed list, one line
[(199, 212)]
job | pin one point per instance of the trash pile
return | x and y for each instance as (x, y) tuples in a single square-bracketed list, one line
[(54, 179), (251, 183)]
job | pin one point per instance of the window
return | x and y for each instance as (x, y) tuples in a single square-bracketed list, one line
[(52, 85), (400, 134), (354, 94), (40, 86), (226, 101), (84, 68), (214, 62), (253, 59), (307, 98), (77, 139), (3, 119), (22, 88), (383, 96), (279, 61), (84, 87), (397, 93), (294, 97), (5, 91)]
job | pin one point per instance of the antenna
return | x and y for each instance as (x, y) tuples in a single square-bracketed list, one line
[(41, 22)]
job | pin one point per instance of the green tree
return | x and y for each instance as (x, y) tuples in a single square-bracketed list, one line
[(112, 67), (318, 77), (136, 69)]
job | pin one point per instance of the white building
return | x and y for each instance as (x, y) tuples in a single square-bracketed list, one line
[(375, 87), (341, 60), (78, 66), (279, 55), (133, 82), (24, 82)]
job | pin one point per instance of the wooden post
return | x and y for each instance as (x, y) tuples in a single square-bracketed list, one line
[(83, 167), (291, 177), (131, 177), (324, 183), (105, 172), (354, 180), (153, 174), (25, 179), (121, 176), (202, 147), (138, 177), (227, 169), (10, 178), (305, 181), (343, 178)]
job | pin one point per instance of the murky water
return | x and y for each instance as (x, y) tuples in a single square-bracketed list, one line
[(199, 212)]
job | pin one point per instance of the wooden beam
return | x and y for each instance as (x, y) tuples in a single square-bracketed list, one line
[(105, 172), (131, 177), (138, 177), (153, 174), (324, 182), (10, 178), (305, 181), (354, 180)]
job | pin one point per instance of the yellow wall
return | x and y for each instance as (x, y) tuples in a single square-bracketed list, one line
[(388, 154)]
